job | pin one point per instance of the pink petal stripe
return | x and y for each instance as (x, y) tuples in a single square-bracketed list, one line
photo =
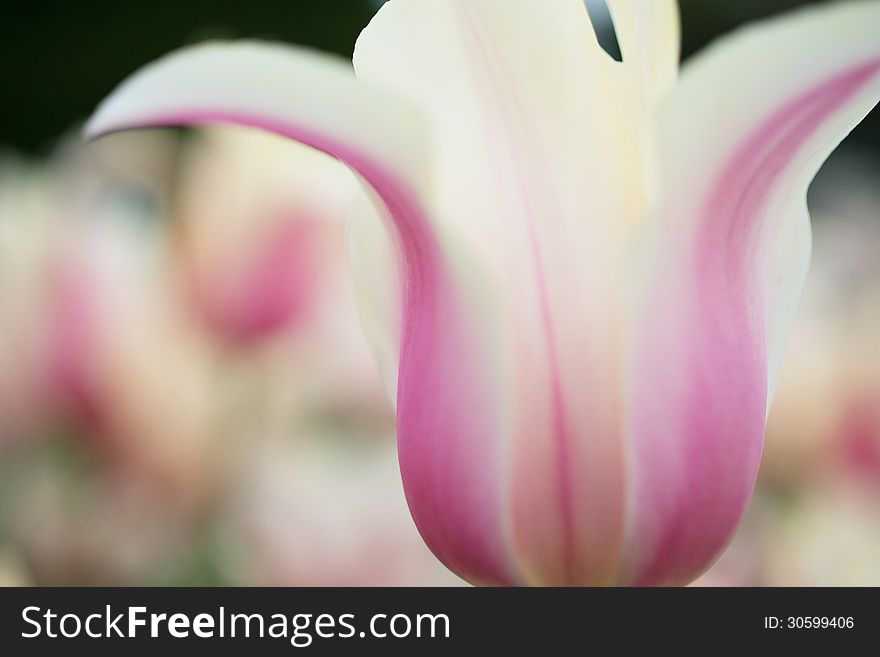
[(720, 424), (561, 436)]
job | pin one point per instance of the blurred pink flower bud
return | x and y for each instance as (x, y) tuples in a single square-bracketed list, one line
[(259, 220)]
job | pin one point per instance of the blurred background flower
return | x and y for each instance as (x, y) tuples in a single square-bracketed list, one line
[(185, 393)]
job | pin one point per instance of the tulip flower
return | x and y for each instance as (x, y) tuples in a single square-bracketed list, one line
[(590, 266), (257, 248), (68, 281), (92, 323), (89, 323)]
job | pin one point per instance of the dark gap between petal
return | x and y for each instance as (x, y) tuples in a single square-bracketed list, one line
[(603, 26)]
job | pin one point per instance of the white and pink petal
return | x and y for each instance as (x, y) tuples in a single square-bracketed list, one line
[(740, 138)]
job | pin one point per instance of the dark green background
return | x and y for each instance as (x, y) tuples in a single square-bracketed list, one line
[(60, 58)]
